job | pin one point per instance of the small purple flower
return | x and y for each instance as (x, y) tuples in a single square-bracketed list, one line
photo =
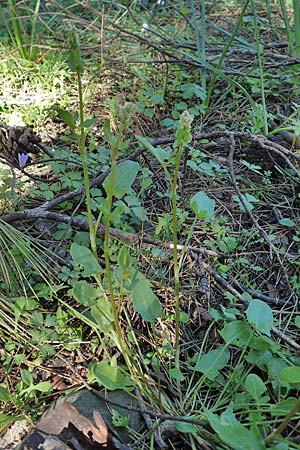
[(22, 158)]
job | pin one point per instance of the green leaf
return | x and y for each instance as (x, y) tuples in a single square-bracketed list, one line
[(237, 333), (284, 407), (297, 321), (110, 376), (285, 221), (185, 427), (157, 99), (160, 154), (255, 386), (260, 316), (26, 377), (144, 300), (36, 319), (248, 200), (290, 375), (176, 374), (43, 386), (83, 257), (202, 205), (212, 362), (89, 123), (124, 258), (125, 175), (85, 293), (4, 394), (66, 116), (6, 420), (20, 358), (111, 140), (102, 314), (190, 90), (234, 434)]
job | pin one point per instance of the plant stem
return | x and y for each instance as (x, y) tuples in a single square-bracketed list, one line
[(284, 423), (122, 344), (175, 252), (82, 150), (261, 70)]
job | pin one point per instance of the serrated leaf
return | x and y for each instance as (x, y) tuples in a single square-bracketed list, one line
[(212, 362), (260, 316), (125, 175)]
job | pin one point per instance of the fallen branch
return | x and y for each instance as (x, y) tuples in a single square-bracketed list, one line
[(234, 292)]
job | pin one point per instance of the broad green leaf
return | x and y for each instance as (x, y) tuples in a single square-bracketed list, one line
[(157, 99), (237, 333), (160, 154), (88, 123), (260, 316), (125, 175), (284, 407), (4, 394), (176, 374), (202, 205), (26, 377), (144, 300), (259, 358), (102, 314), (6, 420), (255, 386), (290, 375), (110, 376), (234, 434), (43, 386), (185, 427), (85, 293), (275, 367), (212, 362), (83, 257), (285, 221), (66, 116)]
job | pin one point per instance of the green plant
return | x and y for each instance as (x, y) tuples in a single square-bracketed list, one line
[(16, 30)]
